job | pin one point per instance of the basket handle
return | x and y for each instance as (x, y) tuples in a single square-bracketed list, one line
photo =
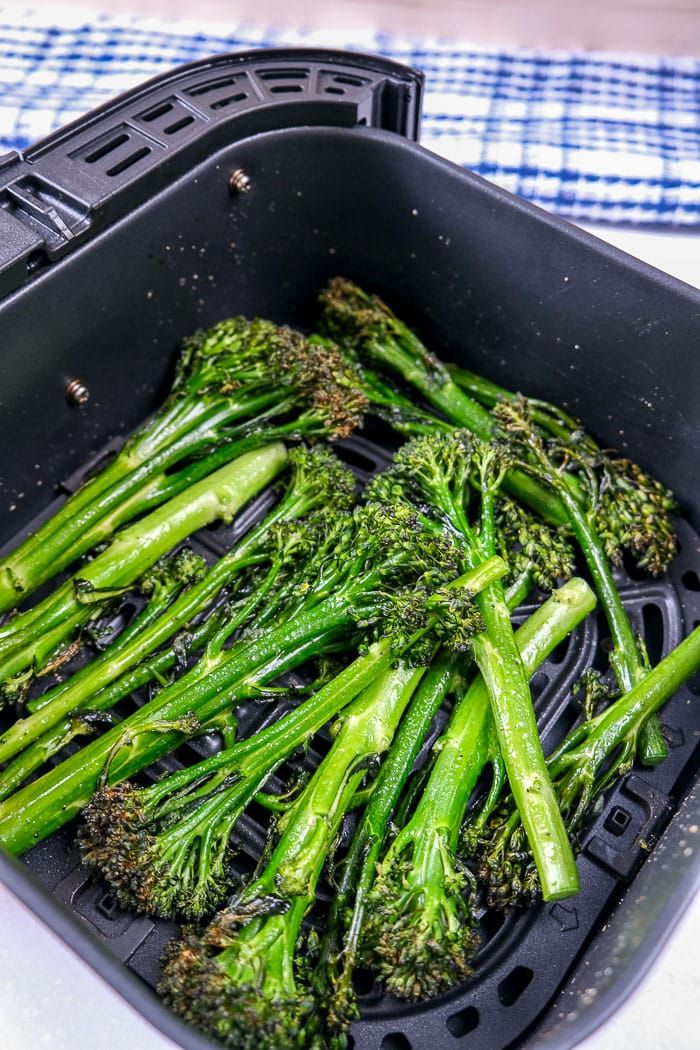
[(93, 171)]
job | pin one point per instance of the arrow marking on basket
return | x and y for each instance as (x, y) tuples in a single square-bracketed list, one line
[(567, 918)]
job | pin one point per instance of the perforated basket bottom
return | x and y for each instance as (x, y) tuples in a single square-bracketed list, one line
[(524, 956)]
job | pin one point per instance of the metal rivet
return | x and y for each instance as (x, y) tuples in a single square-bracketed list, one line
[(239, 182), (76, 392)]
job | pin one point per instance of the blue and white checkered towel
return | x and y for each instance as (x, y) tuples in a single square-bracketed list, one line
[(592, 135)]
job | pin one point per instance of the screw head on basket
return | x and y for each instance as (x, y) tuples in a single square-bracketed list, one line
[(76, 392), (239, 182)]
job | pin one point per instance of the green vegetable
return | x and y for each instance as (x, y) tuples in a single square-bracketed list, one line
[(217, 497), (238, 385), (592, 757), (349, 572), (242, 981), (317, 479), (608, 503), (436, 474)]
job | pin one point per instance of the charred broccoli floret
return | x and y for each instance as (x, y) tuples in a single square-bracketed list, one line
[(560, 472), (420, 927), (317, 479), (238, 385), (453, 480), (244, 981)]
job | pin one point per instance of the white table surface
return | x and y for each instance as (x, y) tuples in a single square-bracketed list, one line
[(50, 998)]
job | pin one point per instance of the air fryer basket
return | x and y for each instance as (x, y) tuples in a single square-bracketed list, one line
[(241, 184)]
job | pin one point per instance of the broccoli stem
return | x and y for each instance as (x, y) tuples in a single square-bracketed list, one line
[(625, 657), (138, 547), (359, 865), (14, 775), (620, 723), (135, 644), (411, 360), (136, 477), (626, 660), (207, 689), (498, 658), (551, 418), (163, 595), (522, 752), (34, 754), (290, 878), (462, 753)]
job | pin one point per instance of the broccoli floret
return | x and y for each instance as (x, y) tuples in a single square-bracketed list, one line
[(239, 385), (562, 474), (173, 572), (255, 991), (529, 545), (420, 926), (344, 579), (237, 981)]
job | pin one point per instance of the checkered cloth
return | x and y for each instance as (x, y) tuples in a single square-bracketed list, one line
[(592, 135)]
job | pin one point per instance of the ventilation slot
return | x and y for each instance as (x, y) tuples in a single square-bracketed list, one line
[(129, 161), (284, 74), (183, 122), (345, 78), (691, 580), (229, 100), (364, 982), (538, 683), (617, 821), (395, 1041), (285, 89), (168, 116), (512, 987), (159, 111), (107, 906), (337, 84), (217, 93), (653, 620), (557, 655), (108, 147), (212, 85), (355, 457), (463, 1022), (284, 81), (365, 457), (491, 922)]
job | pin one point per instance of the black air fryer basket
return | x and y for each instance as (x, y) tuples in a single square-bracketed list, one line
[(240, 185)]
